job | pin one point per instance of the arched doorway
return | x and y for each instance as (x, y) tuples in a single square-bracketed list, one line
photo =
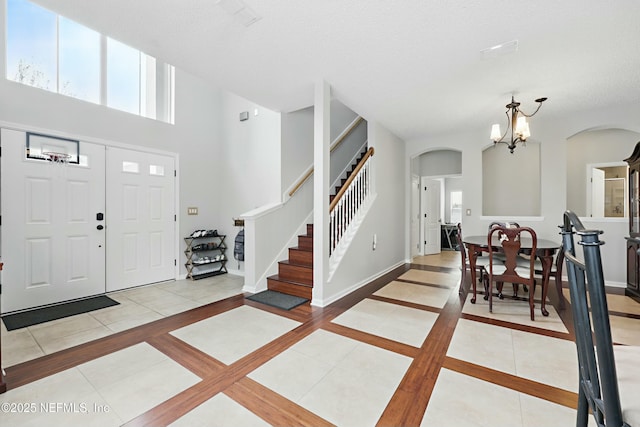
[(436, 200)]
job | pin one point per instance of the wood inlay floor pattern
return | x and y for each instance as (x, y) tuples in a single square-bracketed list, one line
[(406, 407)]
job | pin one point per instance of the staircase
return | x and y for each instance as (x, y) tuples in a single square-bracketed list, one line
[(295, 275)]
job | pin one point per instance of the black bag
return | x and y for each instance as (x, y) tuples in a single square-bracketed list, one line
[(238, 249)]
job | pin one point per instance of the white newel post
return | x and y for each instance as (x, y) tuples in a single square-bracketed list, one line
[(321, 141)]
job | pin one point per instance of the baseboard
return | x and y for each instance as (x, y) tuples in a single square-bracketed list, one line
[(347, 291)]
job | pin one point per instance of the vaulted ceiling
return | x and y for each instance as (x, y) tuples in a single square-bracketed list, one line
[(413, 65)]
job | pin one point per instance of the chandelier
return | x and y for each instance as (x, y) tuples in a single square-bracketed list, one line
[(517, 121)]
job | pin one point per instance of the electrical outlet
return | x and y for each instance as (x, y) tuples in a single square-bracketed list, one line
[(468, 212)]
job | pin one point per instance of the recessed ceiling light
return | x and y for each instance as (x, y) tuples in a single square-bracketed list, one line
[(499, 50)]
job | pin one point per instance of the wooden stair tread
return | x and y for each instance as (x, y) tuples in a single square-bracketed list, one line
[(277, 277), (295, 264)]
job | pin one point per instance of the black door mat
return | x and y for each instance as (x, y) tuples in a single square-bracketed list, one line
[(277, 299), (54, 312)]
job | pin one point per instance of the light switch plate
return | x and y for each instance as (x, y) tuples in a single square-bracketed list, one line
[(192, 211)]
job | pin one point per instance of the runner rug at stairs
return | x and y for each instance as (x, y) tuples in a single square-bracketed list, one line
[(58, 311), (277, 299)]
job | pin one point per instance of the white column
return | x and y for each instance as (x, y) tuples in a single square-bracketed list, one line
[(321, 141)]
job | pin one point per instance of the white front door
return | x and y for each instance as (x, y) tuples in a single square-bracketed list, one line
[(141, 217), (52, 249), (431, 215)]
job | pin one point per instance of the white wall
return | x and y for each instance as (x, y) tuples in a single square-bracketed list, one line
[(589, 147), (440, 162), (344, 156), (196, 137), (386, 219), (511, 181), (552, 132), (341, 116), (297, 145), (249, 162)]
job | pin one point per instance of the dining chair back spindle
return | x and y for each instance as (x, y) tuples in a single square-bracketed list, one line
[(609, 376)]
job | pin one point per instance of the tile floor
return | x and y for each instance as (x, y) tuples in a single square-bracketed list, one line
[(395, 322), (461, 400), (137, 306), (351, 385), (345, 381), (234, 334)]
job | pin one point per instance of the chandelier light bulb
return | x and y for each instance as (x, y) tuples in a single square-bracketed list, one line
[(495, 132), (525, 132), (521, 126)]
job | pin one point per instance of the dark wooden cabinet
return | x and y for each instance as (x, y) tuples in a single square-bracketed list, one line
[(633, 266), (3, 384), (633, 241)]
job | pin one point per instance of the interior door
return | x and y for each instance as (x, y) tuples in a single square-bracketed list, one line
[(141, 215), (415, 217), (52, 248), (431, 215), (597, 193)]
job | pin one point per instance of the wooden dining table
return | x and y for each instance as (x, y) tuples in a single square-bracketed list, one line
[(545, 249)]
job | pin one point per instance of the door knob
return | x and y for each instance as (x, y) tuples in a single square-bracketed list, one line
[(100, 227)]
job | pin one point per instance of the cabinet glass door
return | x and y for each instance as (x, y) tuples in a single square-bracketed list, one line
[(634, 202)]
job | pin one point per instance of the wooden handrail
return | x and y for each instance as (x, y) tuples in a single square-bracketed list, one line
[(349, 180), (335, 145), (345, 133), (302, 181)]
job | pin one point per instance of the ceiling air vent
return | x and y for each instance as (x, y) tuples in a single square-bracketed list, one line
[(240, 11), (499, 50)]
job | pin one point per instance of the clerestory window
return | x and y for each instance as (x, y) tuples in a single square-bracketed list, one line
[(54, 53)]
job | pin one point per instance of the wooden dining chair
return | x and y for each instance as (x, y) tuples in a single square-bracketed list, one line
[(609, 376), (481, 263), (521, 260), (506, 241)]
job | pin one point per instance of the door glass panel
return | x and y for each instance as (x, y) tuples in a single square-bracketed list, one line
[(635, 193), (131, 167), (157, 170)]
